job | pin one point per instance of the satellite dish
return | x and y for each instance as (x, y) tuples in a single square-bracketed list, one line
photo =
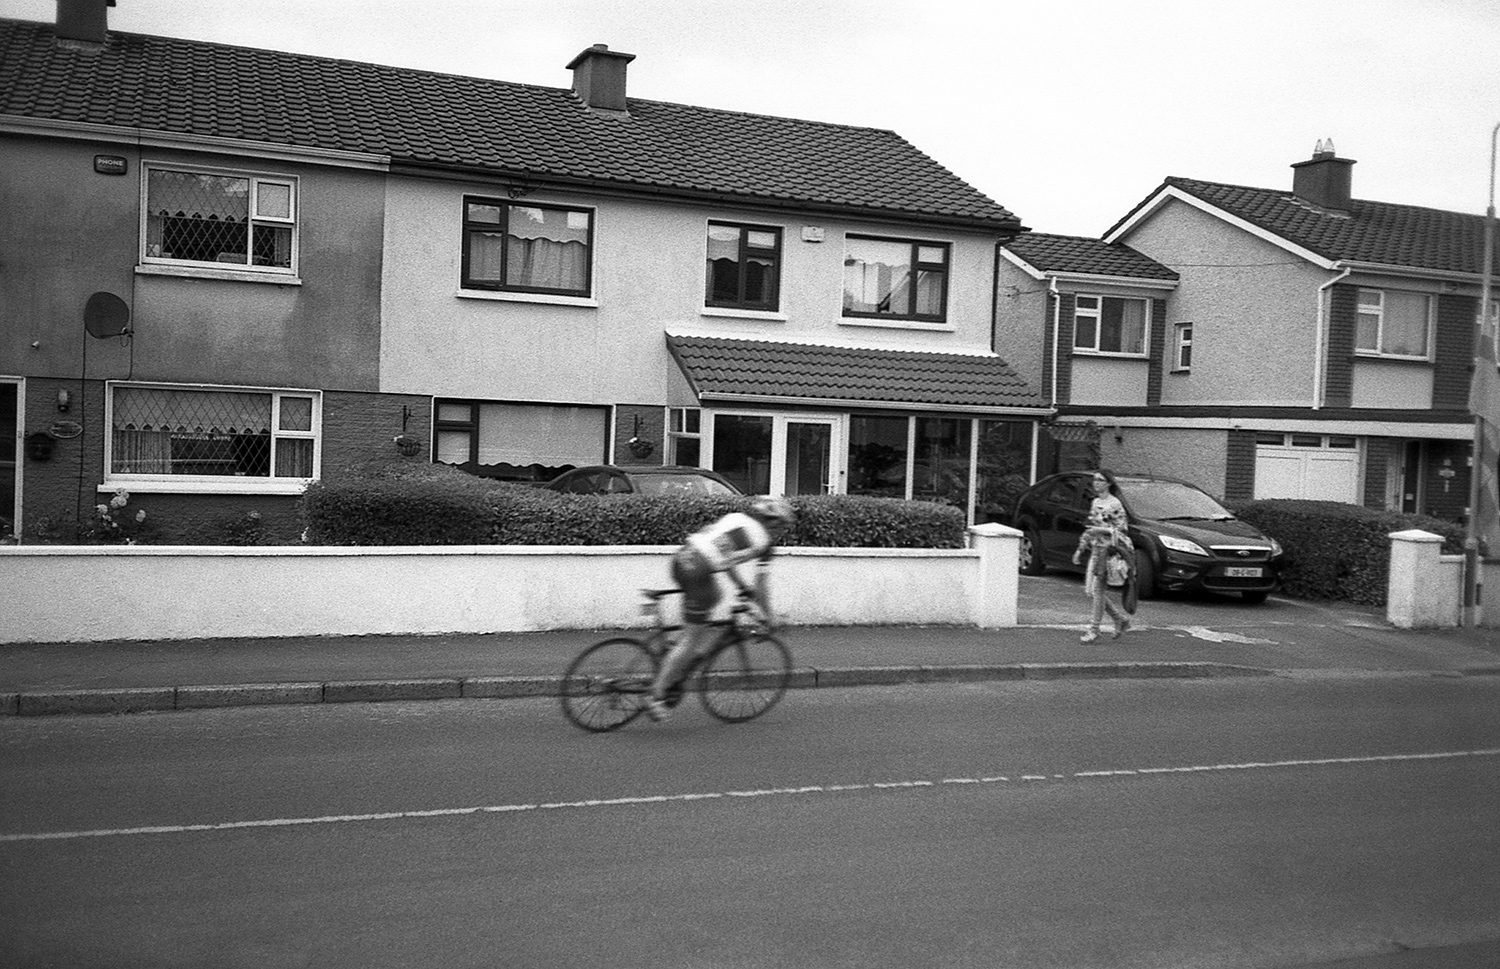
[(106, 315)]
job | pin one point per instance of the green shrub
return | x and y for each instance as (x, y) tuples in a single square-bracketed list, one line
[(407, 506), (399, 507), (1339, 551)]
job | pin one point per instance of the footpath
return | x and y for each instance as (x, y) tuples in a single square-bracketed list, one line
[(1202, 636)]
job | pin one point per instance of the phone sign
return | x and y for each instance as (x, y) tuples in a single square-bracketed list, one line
[(109, 165)]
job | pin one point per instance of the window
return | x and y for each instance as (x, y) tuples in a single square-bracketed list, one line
[(895, 279), (527, 248), (207, 219), (685, 436), (1391, 323), (518, 442), (877, 455), (1184, 358), (204, 435), (1109, 324), (744, 266)]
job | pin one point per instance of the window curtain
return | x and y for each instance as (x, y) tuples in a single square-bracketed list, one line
[(546, 264)]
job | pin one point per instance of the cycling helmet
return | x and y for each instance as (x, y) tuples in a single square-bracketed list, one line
[(772, 510)]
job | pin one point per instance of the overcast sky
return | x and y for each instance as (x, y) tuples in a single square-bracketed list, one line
[(1065, 113)]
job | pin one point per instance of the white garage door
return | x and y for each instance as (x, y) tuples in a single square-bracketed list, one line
[(1314, 466)]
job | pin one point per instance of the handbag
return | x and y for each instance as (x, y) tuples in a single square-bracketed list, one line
[(1116, 570)]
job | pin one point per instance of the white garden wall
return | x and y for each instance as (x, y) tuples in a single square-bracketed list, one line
[(92, 593)]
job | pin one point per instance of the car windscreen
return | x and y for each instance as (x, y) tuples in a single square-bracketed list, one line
[(1168, 500), (677, 484)]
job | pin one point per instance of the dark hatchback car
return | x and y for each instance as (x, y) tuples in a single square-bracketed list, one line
[(1183, 538), (609, 479)]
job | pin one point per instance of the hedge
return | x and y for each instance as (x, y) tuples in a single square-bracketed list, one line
[(444, 506), (1336, 551)]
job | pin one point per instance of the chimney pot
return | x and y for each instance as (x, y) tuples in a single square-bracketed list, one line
[(83, 21), (599, 77)]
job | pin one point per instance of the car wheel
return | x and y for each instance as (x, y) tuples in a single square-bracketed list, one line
[(1254, 598), (1031, 553), (1145, 576)]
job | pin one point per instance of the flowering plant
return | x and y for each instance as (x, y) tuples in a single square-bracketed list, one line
[(114, 523)]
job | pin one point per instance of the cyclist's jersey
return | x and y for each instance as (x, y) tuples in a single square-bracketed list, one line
[(733, 539)]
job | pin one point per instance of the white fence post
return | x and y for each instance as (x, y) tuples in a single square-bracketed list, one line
[(999, 587), (1422, 591)]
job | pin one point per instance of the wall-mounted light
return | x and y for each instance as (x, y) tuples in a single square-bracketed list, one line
[(64, 401), (1119, 435)]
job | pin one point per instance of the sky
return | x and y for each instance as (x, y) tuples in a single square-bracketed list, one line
[(1066, 113)]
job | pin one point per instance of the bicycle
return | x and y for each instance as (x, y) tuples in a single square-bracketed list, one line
[(739, 677)]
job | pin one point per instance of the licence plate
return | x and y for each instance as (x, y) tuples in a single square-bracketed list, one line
[(1241, 572)]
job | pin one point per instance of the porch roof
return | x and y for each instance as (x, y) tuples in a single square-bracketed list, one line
[(730, 369)]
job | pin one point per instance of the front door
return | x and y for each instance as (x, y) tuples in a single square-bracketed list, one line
[(807, 457), (10, 449)]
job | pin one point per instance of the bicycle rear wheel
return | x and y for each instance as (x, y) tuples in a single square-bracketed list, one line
[(744, 677), (606, 686)]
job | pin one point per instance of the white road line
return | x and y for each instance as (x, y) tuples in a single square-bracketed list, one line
[(640, 800)]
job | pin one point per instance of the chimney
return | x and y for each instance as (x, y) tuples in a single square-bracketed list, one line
[(1324, 180), (599, 77), (82, 21)]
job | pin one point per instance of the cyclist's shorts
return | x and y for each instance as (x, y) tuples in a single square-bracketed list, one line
[(700, 589)]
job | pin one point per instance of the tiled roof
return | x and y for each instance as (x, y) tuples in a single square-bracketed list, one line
[(724, 368), (192, 88), (1077, 254), (1373, 232)]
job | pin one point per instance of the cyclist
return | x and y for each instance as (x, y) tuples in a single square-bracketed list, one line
[(716, 549)]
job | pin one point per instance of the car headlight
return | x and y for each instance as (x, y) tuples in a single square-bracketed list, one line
[(1182, 545), (1275, 548)]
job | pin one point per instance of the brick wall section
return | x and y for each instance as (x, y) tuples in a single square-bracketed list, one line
[(1157, 351), (358, 430), (1049, 347), (652, 430), (1338, 378), (1377, 458), (1064, 349), (1239, 466), (1451, 503), (1453, 352), (62, 490)]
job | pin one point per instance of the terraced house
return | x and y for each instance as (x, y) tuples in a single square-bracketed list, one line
[(1262, 342), (229, 272)]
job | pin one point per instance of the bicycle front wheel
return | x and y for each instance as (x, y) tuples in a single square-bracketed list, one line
[(745, 677), (607, 685)]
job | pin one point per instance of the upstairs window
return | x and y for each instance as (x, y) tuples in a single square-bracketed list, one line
[(1110, 324), (1184, 355), (744, 266), (209, 219), (1391, 323), (517, 248), (895, 279)]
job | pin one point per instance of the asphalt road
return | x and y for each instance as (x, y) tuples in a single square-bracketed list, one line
[(1225, 823)]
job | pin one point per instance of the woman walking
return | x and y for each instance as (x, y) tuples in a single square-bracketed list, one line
[(1111, 554)]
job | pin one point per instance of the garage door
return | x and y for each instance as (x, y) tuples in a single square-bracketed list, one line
[(1321, 467)]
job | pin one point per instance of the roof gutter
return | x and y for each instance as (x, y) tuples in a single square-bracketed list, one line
[(1324, 318), (1033, 413)]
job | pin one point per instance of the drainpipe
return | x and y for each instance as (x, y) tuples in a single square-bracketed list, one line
[(1323, 320), (1056, 333)]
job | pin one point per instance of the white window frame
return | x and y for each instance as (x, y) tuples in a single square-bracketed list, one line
[(684, 417), (1182, 354), (1097, 315), (217, 484), (1362, 308), (218, 270)]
